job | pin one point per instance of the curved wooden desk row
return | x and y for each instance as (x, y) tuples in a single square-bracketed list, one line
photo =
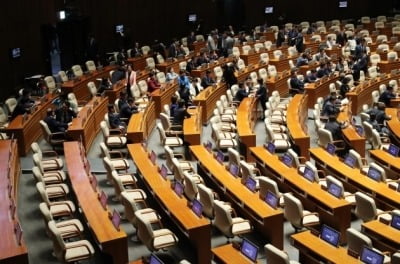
[(110, 240), (353, 180), (198, 230), (296, 117), (384, 237), (394, 123), (86, 125), (200, 72), (26, 128), (332, 211), (79, 86), (386, 159), (267, 220), (246, 118), (320, 88), (12, 248)]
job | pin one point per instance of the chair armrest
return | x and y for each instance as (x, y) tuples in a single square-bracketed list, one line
[(180, 155), (63, 203), (316, 214), (77, 246)]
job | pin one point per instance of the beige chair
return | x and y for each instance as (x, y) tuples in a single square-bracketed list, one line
[(68, 228), (349, 197), (75, 105), (361, 163), (160, 58), (55, 191), (375, 97), (356, 241), (296, 215), (372, 72), (170, 130), (229, 225), (267, 184), (63, 76), (77, 70), (90, 66), (276, 256), (57, 209), (116, 157), (280, 140), (161, 77), (69, 252), (236, 52), (122, 183), (150, 63), (168, 141), (145, 50), (277, 54), (50, 159), (112, 140), (366, 208), (50, 83), (249, 171), (272, 72), (154, 240), (395, 258), (126, 178), (48, 177), (54, 139), (179, 172), (11, 103), (379, 142), (317, 173), (218, 73), (298, 161), (223, 126), (325, 137), (264, 58), (190, 186), (375, 59), (207, 199), (92, 88), (184, 164), (221, 141)]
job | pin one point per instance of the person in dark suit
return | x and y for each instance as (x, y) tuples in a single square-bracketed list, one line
[(280, 38), (64, 114), (344, 88), (207, 80), (136, 50), (261, 94), (180, 113), (386, 96), (191, 38), (341, 38), (24, 104), (329, 108), (117, 75), (172, 50), (295, 82), (335, 127), (229, 75), (128, 109), (114, 119), (54, 125), (241, 93)]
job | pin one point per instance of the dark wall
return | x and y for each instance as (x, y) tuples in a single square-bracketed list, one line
[(22, 23)]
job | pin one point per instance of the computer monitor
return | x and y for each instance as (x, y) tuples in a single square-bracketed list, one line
[(271, 199), (15, 53), (192, 17), (335, 190), (116, 219), (208, 146), (178, 188), (330, 235), (251, 184), (330, 148), (309, 174), (119, 29), (287, 159), (395, 221), (234, 169), (197, 207), (393, 150), (370, 256), (93, 181), (249, 249), (220, 156), (342, 4), (270, 147), (360, 130), (103, 200), (374, 174), (350, 161), (164, 171), (153, 157), (155, 260), (18, 232), (269, 10)]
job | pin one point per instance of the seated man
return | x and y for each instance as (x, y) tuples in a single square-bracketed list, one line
[(329, 108), (302, 60), (311, 77), (24, 104), (207, 80), (54, 125), (241, 93), (180, 113), (335, 127), (387, 95), (173, 106), (118, 74), (295, 82), (114, 119), (64, 114), (128, 109)]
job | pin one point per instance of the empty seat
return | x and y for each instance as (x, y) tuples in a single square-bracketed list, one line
[(276, 256), (296, 215), (77, 70)]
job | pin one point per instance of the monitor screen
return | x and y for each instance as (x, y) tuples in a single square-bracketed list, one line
[(342, 4), (330, 235), (116, 219), (234, 170), (331, 148), (208, 146), (192, 18), (61, 15), (309, 174), (251, 184), (220, 156), (15, 53), (197, 207), (393, 150), (374, 174), (287, 159), (360, 131), (103, 200), (154, 259), (249, 249), (119, 29), (335, 190), (271, 199), (178, 188), (370, 256), (395, 221), (269, 9), (164, 171), (350, 161), (94, 182), (153, 157), (270, 147), (18, 232)]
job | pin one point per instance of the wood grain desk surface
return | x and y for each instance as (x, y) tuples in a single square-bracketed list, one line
[(229, 255), (384, 230), (218, 171), (386, 158), (321, 248)]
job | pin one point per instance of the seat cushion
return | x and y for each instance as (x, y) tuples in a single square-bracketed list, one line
[(62, 208), (116, 141), (135, 194), (227, 143), (58, 174), (173, 141), (163, 238), (120, 164), (59, 190), (309, 219), (240, 226), (77, 250), (281, 144), (70, 228)]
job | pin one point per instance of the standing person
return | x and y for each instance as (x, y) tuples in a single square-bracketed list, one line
[(184, 86), (229, 75), (261, 94), (180, 113), (387, 95), (130, 80)]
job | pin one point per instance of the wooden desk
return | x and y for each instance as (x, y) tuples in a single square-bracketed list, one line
[(197, 46), (319, 89), (226, 254), (198, 230), (282, 64), (28, 131), (312, 250), (192, 127), (278, 83), (117, 88), (332, 211), (353, 180), (386, 66), (332, 51), (268, 35), (394, 124), (246, 117), (384, 237), (163, 67), (207, 99), (163, 95), (296, 115), (87, 124), (141, 124), (269, 222), (79, 86), (386, 160), (252, 58), (138, 63), (10, 170), (110, 240), (312, 45), (201, 72), (350, 134)]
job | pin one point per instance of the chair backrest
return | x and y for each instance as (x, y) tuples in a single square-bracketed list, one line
[(267, 184), (264, 57), (169, 155), (246, 171), (182, 65), (365, 207), (151, 64), (104, 150), (104, 129), (199, 38), (50, 83), (354, 154), (263, 74), (63, 76), (92, 88), (177, 169), (161, 77), (145, 50), (233, 157), (145, 231), (395, 259), (207, 199), (118, 185), (275, 255), (324, 137), (330, 179), (272, 70), (160, 58), (77, 70), (357, 240), (58, 241), (161, 132), (223, 218), (246, 49), (277, 54), (143, 87), (46, 131), (90, 65), (295, 157), (376, 140), (240, 64), (44, 209), (41, 189), (190, 189), (11, 103), (381, 38), (381, 170), (293, 210)]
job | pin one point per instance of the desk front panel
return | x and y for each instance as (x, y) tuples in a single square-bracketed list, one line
[(246, 117), (141, 124), (192, 127), (208, 98)]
